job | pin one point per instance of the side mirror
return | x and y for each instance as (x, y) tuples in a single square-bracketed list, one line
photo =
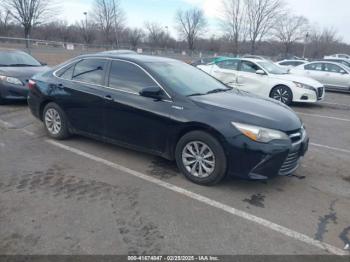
[(343, 72), (260, 72), (152, 92), (43, 63)]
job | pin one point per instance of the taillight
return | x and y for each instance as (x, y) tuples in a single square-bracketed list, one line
[(31, 84)]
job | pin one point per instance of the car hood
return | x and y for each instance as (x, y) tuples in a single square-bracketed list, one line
[(24, 73), (250, 109), (300, 79)]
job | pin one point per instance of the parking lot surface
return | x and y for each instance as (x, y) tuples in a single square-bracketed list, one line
[(82, 196)]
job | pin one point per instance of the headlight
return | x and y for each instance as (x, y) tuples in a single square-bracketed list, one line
[(11, 80), (301, 85), (260, 134)]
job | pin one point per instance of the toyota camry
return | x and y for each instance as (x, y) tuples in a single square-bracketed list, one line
[(170, 109)]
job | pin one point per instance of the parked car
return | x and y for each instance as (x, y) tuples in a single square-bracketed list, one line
[(171, 109), (343, 61), (338, 56), (291, 63), (334, 76), (16, 67), (266, 79)]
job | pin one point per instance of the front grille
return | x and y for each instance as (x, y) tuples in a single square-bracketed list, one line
[(290, 164), (320, 92)]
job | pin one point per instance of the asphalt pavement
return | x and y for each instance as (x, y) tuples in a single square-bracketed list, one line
[(82, 196)]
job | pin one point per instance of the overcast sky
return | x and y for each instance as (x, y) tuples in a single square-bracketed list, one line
[(327, 13)]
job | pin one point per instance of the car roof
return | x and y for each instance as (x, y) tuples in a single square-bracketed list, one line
[(135, 58), (328, 62)]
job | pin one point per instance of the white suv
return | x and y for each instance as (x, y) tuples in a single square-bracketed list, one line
[(266, 79)]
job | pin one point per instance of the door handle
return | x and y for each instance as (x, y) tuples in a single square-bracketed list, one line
[(108, 97)]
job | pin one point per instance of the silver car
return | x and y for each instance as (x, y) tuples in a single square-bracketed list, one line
[(334, 76)]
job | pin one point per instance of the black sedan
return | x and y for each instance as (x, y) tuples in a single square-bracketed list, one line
[(171, 109), (16, 68)]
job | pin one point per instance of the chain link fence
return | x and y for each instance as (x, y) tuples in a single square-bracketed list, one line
[(53, 52)]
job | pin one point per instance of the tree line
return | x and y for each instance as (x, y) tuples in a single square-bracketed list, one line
[(245, 26)]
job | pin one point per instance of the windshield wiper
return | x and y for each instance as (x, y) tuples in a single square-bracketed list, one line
[(218, 90), (197, 94)]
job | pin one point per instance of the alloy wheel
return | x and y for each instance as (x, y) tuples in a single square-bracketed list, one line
[(281, 94), (53, 121), (198, 159)]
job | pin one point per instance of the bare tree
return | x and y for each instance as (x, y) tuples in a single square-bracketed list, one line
[(290, 29), (233, 21), (5, 20), (135, 36), (191, 24), (110, 17), (156, 34), (261, 17), (324, 41), (29, 13)]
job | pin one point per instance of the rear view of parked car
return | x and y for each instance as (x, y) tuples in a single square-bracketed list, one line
[(170, 109), (334, 76), (266, 79), (16, 67)]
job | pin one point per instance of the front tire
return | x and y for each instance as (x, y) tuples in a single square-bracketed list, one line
[(55, 122), (201, 158), (282, 94)]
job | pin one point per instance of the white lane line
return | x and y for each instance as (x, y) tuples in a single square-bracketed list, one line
[(321, 116), (231, 210), (331, 148), (6, 124), (335, 104)]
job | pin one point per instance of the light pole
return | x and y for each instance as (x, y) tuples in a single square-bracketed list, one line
[(305, 43), (86, 28), (167, 37)]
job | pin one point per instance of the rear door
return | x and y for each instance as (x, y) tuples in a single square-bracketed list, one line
[(315, 71), (226, 71), (336, 76), (79, 92), (248, 80)]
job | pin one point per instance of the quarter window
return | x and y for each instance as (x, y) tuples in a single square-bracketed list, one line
[(66, 73), (90, 71), (128, 77)]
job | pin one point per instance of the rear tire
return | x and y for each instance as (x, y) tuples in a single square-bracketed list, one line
[(55, 122), (282, 94), (201, 158)]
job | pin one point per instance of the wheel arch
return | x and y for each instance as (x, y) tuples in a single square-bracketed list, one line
[(280, 85), (42, 107), (195, 126)]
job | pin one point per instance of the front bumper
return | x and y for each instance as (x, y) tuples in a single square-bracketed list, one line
[(251, 160), (309, 96), (13, 92)]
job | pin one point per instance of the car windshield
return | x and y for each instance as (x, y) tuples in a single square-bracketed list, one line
[(17, 59), (272, 68), (185, 79)]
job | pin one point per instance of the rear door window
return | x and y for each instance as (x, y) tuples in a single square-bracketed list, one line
[(314, 67), (228, 64), (90, 71), (247, 66)]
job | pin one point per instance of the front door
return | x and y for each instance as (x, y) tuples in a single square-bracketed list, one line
[(130, 118)]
